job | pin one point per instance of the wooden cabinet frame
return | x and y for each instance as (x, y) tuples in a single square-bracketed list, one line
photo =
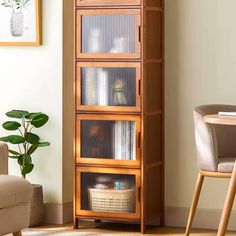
[(110, 215), (80, 13), (81, 107), (107, 2), (149, 114), (103, 161)]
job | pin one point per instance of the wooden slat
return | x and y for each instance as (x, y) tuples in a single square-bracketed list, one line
[(106, 3)]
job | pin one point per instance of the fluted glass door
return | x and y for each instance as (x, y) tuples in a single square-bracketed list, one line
[(113, 192), (109, 33), (104, 86), (108, 139)]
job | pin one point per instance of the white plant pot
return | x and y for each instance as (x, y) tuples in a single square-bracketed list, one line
[(17, 24)]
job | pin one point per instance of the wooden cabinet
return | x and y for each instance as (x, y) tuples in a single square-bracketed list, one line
[(119, 84)]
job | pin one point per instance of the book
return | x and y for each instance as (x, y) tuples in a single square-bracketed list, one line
[(102, 78)]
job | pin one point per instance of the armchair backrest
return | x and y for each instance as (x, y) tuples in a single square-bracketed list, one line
[(213, 141), (3, 158)]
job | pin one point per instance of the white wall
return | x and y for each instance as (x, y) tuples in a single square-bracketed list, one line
[(31, 78), (200, 68)]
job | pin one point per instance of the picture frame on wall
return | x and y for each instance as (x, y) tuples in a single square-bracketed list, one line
[(20, 23)]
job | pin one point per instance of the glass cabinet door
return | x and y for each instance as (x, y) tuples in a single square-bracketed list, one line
[(107, 2), (108, 86), (108, 192), (104, 139), (109, 33)]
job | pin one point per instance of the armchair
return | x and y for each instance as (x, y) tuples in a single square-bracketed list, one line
[(15, 193), (216, 150)]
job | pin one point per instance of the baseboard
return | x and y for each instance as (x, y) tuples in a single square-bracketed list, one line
[(204, 218), (174, 216), (58, 213)]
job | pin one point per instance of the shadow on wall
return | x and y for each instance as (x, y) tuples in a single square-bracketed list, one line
[(172, 94)]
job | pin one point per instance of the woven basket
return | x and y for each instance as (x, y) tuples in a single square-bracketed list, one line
[(110, 200)]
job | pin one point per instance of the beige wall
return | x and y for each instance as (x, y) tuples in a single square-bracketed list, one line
[(200, 68)]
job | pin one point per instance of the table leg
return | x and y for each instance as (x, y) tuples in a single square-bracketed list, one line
[(228, 204)]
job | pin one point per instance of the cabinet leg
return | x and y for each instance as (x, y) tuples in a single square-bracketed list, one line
[(75, 223), (143, 228), (162, 219)]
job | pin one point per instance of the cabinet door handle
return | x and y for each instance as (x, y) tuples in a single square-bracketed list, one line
[(139, 87), (139, 140), (139, 33), (139, 194)]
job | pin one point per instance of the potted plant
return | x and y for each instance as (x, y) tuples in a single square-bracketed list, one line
[(27, 143), (17, 16)]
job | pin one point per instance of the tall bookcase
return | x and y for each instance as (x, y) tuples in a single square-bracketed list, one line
[(119, 80)]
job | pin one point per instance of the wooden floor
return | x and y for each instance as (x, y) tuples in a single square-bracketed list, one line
[(128, 230)]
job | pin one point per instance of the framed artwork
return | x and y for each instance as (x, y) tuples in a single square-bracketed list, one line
[(20, 22)]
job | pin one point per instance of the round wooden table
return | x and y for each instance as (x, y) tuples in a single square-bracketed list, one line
[(219, 119), (225, 120)]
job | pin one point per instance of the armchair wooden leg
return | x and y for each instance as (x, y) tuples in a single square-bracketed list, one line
[(196, 195), (228, 204), (17, 233)]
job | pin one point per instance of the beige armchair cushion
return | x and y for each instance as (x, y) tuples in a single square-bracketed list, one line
[(14, 190), (226, 164)]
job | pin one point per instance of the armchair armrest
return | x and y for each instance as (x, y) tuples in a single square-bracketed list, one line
[(3, 158)]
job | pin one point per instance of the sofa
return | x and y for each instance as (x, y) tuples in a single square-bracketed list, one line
[(15, 193)]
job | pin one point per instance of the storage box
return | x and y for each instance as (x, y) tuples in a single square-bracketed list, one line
[(111, 200)]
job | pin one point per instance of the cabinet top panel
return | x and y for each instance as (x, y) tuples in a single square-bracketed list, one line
[(107, 2)]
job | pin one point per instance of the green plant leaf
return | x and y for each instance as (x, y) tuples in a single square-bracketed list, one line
[(43, 144), (32, 149), (32, 138), (40, 120), (11, 125), (20, 160), (13, 157), (27, 169), (32, 115), (14, 152), (24, 159), (28, 159), (13, 139), (18, 114)]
